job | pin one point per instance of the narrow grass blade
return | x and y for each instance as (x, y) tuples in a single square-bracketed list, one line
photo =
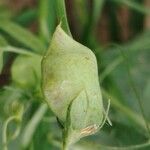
[(17, 50), (26, 17), (134, 5), (22, 35)]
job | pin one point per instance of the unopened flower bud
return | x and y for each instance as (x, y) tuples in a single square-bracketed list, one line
[(71, 86)]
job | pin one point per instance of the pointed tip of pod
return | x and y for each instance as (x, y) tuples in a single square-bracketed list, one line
[(61, 40), (59, 32)]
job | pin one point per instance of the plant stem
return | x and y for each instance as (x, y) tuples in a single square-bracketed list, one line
[(62, 16)]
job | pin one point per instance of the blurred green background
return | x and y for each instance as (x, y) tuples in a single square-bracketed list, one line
[(117, 31)]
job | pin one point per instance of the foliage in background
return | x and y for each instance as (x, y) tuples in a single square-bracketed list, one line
[(26, 123)]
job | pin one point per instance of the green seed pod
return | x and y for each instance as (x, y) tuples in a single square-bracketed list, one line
[(71, 87)]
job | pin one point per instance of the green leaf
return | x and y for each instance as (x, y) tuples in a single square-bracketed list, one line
[(22, 35), (88, 145), (26, 17), (134, 5), (135, 118)]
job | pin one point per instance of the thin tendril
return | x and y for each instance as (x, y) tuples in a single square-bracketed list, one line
[(106, 116), (4, 134)]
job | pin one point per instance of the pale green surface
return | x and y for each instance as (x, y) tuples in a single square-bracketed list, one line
[(70, 84)]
